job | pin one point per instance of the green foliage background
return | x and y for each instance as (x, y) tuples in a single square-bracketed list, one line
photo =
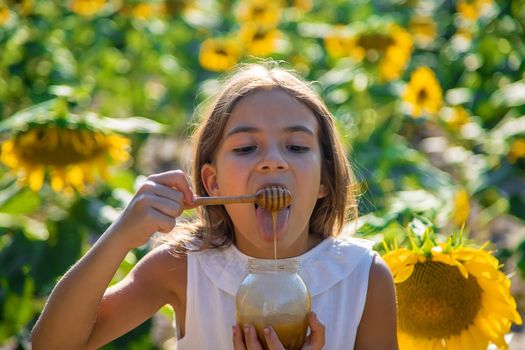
[(120, 66)]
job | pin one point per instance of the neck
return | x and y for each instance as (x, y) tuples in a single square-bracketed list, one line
[(295, 249)]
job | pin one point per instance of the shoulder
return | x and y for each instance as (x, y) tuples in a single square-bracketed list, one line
[(164, 270), (163, 259), (380, 278), (378, 328)]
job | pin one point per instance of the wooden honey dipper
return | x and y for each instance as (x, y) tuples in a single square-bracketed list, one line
[(272, 198)]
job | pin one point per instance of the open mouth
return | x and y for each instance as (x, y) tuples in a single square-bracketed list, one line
[(272, 224), (273, 197)]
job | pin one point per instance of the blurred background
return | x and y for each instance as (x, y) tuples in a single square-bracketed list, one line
[(429, 97)]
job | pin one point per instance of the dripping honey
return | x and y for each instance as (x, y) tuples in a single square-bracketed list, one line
[(274, 222)]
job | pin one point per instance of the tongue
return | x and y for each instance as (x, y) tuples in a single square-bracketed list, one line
[(266, 226)]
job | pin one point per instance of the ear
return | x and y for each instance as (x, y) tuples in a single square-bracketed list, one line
[(322, 191), (209, 179)]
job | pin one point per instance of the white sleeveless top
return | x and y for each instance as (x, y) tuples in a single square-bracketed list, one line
[(335, 271)]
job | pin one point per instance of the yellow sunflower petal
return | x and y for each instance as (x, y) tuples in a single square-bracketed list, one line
[(480, 340), (447, 259), (403, 274), (501, 308), (87, 171), (467, 342), (8, 155), (36, 178), (58, 179), (75, 177), (482, 270), (497, 290), (454, 343), (488, 329), (102, 168)]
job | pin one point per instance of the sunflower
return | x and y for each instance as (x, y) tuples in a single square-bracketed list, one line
[(389, 50), (70, 155), (47, 141), (450, 296), (423, 93), (258, 41), (263, 13), (219, 54), (87, 8)]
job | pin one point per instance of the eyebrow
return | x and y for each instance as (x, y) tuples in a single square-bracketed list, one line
[(252, 129)]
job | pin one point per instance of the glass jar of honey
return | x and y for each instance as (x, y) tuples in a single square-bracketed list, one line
[(274, 294)]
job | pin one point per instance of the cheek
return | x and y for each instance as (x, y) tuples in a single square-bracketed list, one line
[(310, 167), (231, 172)]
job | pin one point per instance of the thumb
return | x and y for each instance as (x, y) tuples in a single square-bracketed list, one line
[(316, 338)]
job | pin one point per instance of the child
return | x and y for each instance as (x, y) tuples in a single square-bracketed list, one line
[(266, 127)]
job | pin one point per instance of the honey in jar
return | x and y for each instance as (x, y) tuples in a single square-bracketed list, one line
[(273, 294)]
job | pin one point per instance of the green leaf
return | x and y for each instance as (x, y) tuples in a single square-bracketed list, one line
[(123, 179), (55, 111), (126, 125), (20, 121), (18, 309), (15, 200)]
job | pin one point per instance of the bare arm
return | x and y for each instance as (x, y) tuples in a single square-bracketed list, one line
[(72, 306), (77, 312), (378, 329), (158, 279)]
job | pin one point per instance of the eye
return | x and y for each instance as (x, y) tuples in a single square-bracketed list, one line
[(298, 149), (244, 150)]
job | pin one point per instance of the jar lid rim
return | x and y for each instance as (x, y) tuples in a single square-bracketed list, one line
[(274, 264)]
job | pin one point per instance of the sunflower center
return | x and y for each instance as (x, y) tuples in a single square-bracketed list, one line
[(436, 301), (258, 11), (422, 96), (375, 42), (59, 147), (260, 35)]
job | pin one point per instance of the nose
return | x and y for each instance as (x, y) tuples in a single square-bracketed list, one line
[(272, 160)]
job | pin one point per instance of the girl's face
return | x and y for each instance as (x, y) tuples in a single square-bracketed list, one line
[(269, 139)]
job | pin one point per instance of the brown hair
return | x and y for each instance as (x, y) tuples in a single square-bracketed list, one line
[(215, 228)]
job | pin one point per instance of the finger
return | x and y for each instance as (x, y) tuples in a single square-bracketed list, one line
[(166, 206), (146, 201), (316, 338), (161, 190), (272, 339), (250, 336), (237, 338), (161, 222), (175, 179)]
